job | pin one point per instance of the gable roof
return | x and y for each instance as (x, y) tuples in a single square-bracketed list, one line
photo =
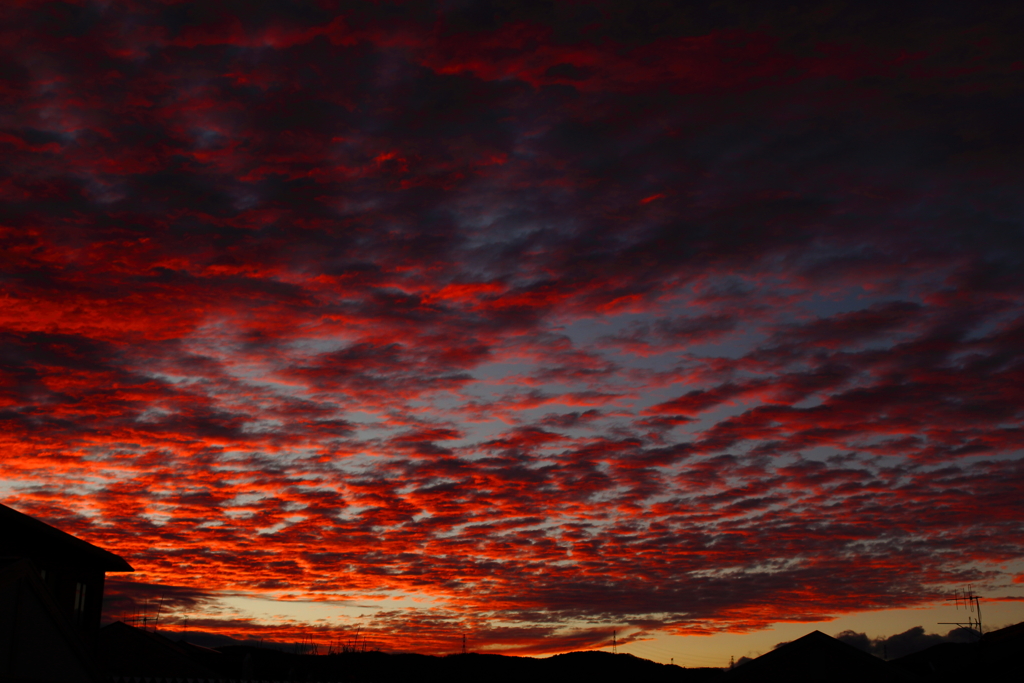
[(1007, 633), (818, 657), (29, 537)]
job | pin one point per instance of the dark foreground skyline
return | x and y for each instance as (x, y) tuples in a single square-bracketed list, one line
[(533, 322)]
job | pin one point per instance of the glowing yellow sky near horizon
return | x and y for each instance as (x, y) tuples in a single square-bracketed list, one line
[(716, 650), (689, 651)]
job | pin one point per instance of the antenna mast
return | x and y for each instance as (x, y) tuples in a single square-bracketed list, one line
[(971, 602)]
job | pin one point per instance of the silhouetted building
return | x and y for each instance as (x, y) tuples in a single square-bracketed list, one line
[(37, 643), (71, 569), (998, 656)]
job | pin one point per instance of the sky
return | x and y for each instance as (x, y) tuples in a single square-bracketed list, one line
[(695, 325)]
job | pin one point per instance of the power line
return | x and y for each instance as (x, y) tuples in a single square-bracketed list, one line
[(652, 650)]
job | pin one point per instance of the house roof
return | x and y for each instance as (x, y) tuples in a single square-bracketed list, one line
[(27, 536), (1008, 633), (996, 657)]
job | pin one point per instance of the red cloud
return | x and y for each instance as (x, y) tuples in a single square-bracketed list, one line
[(514, 314)]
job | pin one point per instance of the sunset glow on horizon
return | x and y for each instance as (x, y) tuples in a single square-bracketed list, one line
[(533, 323)]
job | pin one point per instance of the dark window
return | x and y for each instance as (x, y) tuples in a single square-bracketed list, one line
[(80, 602)]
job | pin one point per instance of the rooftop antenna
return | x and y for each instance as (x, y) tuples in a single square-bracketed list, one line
[(144, 616), (159, 608), (971, 603)]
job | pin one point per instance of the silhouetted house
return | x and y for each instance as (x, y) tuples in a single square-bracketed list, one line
[(71, 569), (998, 656), (818, 657), (37, 643)]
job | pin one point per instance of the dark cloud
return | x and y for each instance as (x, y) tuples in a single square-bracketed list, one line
[(910, 641), (126, 600), (666, 334)]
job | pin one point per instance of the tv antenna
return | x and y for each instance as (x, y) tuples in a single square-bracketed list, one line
[(971, 602)]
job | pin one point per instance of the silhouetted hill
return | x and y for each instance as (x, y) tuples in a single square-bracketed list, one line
[(598, 665), (130, 652), (818, 658), (372, 667), (125, 650)]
